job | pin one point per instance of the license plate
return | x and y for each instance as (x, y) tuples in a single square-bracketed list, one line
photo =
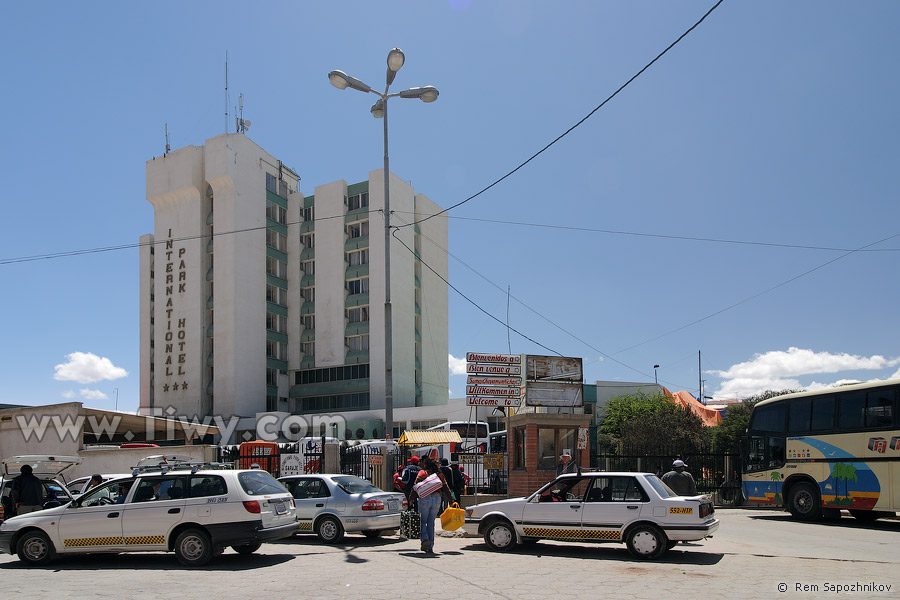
[(280, 508), (394, 505)]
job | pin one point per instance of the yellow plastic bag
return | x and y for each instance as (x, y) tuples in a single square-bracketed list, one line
[(453, 517)]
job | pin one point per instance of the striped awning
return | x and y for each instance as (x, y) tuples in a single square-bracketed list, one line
[(428, 438)]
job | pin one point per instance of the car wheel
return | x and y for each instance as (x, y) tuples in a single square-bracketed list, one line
[(193, 548), (246, 548), (330, 530), (500, 536), (372, 534), (646, 541), (804, 503), (35, 548)]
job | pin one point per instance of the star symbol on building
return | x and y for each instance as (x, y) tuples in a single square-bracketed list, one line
[(184, 385), (166, 387), (174, 387)]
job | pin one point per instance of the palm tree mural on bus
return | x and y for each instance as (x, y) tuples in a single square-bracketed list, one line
[(776, 477), (846, 473)]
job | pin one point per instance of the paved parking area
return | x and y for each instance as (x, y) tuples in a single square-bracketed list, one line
[(737, 564)]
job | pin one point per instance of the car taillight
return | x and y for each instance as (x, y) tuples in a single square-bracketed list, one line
[(405, 504), (706, 510), (373, 505), (252, 506)]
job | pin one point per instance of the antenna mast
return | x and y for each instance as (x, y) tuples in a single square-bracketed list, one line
[(168, 147), (226, 91)]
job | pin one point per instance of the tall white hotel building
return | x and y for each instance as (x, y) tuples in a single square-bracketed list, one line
[(257, 300)]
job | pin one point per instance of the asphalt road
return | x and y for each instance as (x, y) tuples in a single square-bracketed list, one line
[(755, 554)]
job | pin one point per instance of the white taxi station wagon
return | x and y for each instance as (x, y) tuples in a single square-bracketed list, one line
[(635, 508), (194, 511)]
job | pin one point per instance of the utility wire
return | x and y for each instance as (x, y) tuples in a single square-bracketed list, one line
[(766, 291), (666, 236), (472, 302), (573, 127)]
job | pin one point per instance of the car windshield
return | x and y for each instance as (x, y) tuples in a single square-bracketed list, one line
[(258, 483), (354, 485), (662, 489)]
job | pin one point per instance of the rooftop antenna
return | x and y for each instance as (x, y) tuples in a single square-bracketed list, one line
[(226, 91), (241, 125), (168, 147)]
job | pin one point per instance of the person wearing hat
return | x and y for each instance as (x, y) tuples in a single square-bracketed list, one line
[(27, 491), (566, 464), (681, 482), (409, 475)]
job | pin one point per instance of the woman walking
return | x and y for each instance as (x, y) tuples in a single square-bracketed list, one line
[(429, 490)]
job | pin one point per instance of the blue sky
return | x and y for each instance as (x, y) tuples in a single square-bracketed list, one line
[(711, 207)]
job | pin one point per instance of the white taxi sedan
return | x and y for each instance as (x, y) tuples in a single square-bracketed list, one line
[(184, 509), (635, 508)]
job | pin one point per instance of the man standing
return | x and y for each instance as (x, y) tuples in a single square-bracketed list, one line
[(27, 491), (566, 464), (681, 482)]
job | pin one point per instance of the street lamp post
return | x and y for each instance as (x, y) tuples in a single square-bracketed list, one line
[(655, 378), (342, 81)]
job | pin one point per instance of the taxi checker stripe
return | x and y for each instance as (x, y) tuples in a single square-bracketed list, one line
[(571, 533), (114, 541), (306, 525)]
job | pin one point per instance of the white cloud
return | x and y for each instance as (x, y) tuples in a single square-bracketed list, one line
[(778, 370), (92, 394), (68, 394), (457, 365), (797, 361), (84, 367)]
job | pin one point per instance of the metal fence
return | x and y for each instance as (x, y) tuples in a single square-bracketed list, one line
[(716, 473)]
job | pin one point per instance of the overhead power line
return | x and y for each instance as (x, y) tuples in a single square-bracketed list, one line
[(573, 127)]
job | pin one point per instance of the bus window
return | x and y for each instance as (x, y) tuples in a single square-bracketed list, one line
[(768, 418), (823, 414), (852, 410), (879, 409), (798, 416)]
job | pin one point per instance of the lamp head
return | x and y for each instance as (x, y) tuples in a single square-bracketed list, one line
[(377, 109), (428, 93)]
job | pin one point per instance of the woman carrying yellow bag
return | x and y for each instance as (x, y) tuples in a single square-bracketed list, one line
[(453, 517)]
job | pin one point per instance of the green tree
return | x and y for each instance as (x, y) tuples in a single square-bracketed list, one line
[(726, 436), (648, 423)]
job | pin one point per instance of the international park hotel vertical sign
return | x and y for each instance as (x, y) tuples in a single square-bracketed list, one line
[(493, 379), (175, 325)]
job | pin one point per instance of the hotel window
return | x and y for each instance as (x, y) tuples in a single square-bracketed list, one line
[(356, 230), (358, 315), (309, 267), (308, 321), (308, 240), (276, 268), (308, 348), (309, 294), (358, 286), (276, 322), (276, 240), (277, 350), (358, 201), (271, 183), (360, 257), (276, 213), (275, 295), (271, 376), (358, 343), (308, 214)]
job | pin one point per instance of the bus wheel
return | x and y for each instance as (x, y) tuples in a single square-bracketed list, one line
[(804, 503)]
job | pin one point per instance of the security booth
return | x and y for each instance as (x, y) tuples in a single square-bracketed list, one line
[(536, 441)]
